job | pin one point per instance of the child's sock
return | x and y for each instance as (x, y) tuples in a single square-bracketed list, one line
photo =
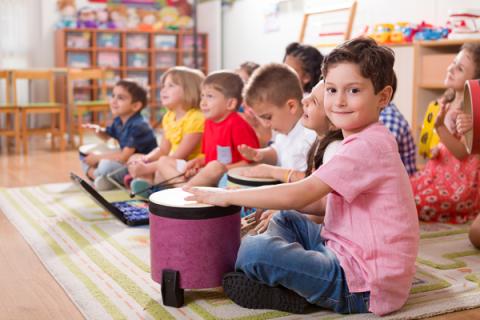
[(102, 183), (138, 185), (253, 294)]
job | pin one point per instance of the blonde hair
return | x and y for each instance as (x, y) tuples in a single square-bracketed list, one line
[(190, 80)]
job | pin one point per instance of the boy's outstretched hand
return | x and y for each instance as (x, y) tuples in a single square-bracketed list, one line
[(215, 197), (250, 153)]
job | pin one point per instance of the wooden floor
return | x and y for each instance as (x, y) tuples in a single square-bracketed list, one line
[(27, 290)]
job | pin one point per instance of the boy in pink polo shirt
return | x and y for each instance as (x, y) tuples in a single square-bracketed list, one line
[(363, 257)]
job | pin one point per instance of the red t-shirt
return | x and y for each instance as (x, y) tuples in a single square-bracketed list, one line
[(220, 140)]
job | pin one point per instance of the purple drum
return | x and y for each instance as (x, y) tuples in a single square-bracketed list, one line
[(191, 244)]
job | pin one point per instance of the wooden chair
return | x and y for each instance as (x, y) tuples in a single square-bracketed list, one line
[(98, 104), (10, 112), (51, 107)]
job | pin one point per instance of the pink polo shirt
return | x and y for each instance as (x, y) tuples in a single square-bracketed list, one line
[(371, 222)]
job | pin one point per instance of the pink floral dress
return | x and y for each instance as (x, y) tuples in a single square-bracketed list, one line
[(447, 190)]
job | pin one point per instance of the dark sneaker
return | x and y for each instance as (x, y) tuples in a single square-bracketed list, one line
[(252, 294)]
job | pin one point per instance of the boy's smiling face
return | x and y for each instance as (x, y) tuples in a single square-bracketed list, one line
[(350, 101)]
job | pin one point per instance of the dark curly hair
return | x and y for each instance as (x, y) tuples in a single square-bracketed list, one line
[(311, 60), (375, 62)]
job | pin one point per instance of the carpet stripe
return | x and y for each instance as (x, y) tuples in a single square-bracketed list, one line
[(157, 311), (108, 306)]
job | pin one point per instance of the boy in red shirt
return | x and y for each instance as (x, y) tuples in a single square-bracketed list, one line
[(224, 131)]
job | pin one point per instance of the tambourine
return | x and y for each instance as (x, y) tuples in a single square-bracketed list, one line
[(471, 106), (428, 136)]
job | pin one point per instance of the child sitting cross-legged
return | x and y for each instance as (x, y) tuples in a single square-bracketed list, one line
[(362, 258), (129, 128), (446, 190), (182, 126), (224, 131)]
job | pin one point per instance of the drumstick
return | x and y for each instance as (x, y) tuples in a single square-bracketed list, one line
[(164, 183)]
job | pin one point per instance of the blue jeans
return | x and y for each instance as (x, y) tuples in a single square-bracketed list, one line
[(292, 253)]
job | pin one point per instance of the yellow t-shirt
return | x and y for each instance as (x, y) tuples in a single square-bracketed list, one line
[(174, 131)]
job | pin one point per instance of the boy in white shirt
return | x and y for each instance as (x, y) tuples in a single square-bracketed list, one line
[(274, 92)]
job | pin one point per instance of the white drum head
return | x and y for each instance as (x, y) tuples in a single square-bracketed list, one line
[(236, 174), (176, 198), (96, 148)]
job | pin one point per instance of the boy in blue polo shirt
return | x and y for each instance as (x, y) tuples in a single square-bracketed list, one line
[(129, 128)]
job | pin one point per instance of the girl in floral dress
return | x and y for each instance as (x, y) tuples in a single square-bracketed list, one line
[(447, 189)]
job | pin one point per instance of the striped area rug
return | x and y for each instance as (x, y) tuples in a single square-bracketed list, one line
[(103, 265)]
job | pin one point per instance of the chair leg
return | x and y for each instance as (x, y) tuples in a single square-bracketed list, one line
[(79, 126), (16, 128), (24, 132), (53, 126), (61, 124)]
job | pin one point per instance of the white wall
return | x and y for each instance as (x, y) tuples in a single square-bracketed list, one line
[(244, 39)]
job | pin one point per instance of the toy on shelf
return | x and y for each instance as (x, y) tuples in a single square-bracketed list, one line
[(67, 10), (381, 32), (147, 20), (118, 15), (86, 18), (427, 31), (403, 32), (168, 17), (104, 20), (133, 19), (465, 24)]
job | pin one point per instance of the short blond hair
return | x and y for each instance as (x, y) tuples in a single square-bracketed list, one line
[(190, 80)]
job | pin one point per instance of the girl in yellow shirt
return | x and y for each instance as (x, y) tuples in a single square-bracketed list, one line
[(182, 124)]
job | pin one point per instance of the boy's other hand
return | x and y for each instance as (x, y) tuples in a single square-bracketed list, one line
[(464, 123), (250, 153), (216, 198), (92, 160), (265, 220), (94, 127)]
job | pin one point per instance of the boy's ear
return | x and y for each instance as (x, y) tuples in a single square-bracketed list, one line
[(385, 95), (137, 106), (292, 105), (232, 104)]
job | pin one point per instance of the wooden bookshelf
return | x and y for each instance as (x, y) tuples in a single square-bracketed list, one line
[(141, 55)]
